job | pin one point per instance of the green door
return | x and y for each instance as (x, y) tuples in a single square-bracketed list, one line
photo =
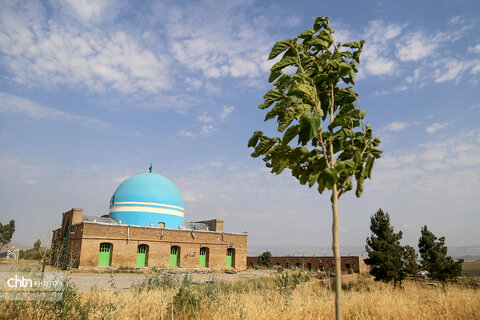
[(203, 257), (174, 251), (105, 254), (230, 257), (142, 253)]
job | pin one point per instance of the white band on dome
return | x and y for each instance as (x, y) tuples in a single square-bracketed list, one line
[(147, 204), (146, 209)]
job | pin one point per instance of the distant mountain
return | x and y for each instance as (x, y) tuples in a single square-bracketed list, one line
[(471, 253), (468, 253), (13, 246), (296, 250)]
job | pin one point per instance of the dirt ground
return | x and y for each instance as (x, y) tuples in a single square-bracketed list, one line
[(104, 279)]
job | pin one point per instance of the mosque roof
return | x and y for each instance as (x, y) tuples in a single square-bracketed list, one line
[(150, 188)]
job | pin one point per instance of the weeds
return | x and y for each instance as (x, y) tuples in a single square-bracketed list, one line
[(282, 296)]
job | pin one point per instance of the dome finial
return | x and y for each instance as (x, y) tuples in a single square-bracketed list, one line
[(150, 169)]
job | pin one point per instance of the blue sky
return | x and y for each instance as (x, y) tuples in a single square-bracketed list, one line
[(92, 92)]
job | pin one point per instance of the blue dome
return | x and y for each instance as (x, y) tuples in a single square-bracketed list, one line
[(148, 199)]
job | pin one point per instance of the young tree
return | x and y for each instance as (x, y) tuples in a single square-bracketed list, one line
[(314, 100), (410, 265), (434, 257), (37, 246), (265, 259), (384, 250), (6, 233)]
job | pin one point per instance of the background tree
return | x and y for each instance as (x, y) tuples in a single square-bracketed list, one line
[(409, 257), (265, 259), (37, 246), (6, 233), (384, 250), (434, 257), (314, 100)]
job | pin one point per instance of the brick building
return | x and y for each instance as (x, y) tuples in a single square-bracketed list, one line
[(145, 228), (350, 264)]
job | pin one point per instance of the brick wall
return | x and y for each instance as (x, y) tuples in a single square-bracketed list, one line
[(86, 239)]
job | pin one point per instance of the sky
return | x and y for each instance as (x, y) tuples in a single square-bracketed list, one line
[(92, 92)]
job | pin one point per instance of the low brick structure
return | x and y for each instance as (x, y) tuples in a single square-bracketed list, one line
[(350, 264), (81, 242)]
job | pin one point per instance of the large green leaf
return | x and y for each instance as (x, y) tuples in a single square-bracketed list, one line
[(329, 178), (290, 133), (307, 33), (274, 75), (286, 61), (254, 139), (273, 95), (310, 124), (359, 190), (369, 167), (279, 47), (353, 44), (264, 146), (312, 179), (306, 92)]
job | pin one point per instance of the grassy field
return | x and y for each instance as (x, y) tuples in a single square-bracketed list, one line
[(286, 296), (471, 269)]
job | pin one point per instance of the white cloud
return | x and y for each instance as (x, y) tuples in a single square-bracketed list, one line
[(396, 126), (49, 52), (215, 163), (380, 32), (233, 44), (207, 129), (204, 118), (449, 70), (186, 133), (416, 46), (436, 126), (375, 55), (400, 89), (474, 49), (227, 110), (293, 21), (87, 11), (11, 104), (414, 77)]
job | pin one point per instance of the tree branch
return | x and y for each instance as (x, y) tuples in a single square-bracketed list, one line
[(320, 139)]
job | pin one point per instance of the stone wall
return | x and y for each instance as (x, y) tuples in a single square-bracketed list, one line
[(349, 263)]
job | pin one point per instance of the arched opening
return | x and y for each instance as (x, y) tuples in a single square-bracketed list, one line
[(231, 258), (174, 256), (142, 255), (105, 254), (204, 257)]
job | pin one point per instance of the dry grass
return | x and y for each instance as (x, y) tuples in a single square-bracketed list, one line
[(471, 269), (263, 298)]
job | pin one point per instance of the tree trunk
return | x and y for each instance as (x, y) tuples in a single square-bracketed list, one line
[(336, 254)]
